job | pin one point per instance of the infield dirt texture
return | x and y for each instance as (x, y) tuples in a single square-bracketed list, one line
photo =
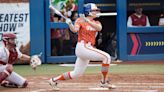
[(127, 76)]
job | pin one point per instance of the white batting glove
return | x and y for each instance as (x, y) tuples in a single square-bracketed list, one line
[(68, 21), (83, 17)]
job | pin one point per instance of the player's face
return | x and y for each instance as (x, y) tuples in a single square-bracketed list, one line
[(139, 11), (95, 12), (12, 42)]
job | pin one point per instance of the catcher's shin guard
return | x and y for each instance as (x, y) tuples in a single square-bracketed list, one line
[(8, 84), (25, 84), (6, 73), (3, 76)]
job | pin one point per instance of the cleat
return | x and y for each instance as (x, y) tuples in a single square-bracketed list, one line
[(9, 84), (107, 85), (53, 84)]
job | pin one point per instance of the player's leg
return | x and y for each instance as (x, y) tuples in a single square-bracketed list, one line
[(105, 58), (89, 52), (15, 80), (79, 69), (97, 55), (5, 71)]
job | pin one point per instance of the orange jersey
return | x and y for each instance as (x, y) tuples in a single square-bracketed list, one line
[(86, 31)]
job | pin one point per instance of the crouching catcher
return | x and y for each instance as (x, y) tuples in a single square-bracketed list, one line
[(9, 54)]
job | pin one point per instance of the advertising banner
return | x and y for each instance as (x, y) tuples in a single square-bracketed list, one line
[(14, 18), (152, 43)]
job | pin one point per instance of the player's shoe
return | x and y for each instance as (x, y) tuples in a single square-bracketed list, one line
[(107, 85), (9, 84), (53, 84)]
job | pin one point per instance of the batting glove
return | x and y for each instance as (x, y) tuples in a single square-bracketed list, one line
[(68, 21), (83, 17)]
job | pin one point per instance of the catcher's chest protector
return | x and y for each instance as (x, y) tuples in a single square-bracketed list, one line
[(13, 55)]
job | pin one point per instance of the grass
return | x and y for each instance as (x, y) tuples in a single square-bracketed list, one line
[(50, 69)]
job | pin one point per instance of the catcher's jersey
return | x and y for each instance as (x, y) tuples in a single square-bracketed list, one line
[(9, 57), (86, 31)]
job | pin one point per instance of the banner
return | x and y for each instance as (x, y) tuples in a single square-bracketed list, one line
[(151, 43), (14, 18)]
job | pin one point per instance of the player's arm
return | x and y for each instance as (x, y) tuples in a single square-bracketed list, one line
[(25, 57), (96, 25), (74, 28), (22, 56), (129, 22), (147, 22)]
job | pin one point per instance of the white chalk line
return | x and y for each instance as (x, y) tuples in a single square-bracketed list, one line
[(121, 83), (96, 89), (94, 86)]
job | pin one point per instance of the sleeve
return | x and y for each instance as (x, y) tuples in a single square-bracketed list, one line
[(147, 22), (161, 22), (19, 53), (129, 22)]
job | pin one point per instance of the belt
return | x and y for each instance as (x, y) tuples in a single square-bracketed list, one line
[(82, 41)]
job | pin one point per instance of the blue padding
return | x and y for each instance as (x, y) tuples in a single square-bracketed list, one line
[(37, 28), (152, 29), (146, 57), (121, 29), (58, 25)]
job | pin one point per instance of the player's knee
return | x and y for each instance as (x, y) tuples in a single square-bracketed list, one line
[(76, 74), (25, 84), (107, 60), (9, 68)]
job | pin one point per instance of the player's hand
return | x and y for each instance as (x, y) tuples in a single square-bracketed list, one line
[(35, 61), (83, 17), (68, 21)]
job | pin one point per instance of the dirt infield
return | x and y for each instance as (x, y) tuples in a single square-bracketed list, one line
[(89, 83)]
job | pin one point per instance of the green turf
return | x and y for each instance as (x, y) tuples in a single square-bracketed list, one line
[(50, 69)]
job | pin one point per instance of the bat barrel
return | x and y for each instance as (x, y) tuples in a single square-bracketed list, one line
[(107, 14)]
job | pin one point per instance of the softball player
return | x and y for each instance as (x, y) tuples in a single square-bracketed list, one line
[(85, 51), (8, 56)]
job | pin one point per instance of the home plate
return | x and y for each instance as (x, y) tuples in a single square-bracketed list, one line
[(98, 88)]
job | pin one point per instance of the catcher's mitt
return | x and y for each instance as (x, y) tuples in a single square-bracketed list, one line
[(35, 61)]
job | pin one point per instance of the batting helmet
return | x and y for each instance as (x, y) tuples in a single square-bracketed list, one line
[(89, 8), (6, 37)]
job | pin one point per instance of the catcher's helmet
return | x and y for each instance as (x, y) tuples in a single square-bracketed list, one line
[(7, 36), (90, 7)]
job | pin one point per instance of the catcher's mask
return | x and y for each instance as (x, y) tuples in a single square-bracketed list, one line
[(9, 39)]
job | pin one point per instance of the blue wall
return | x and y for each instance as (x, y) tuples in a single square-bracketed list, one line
[(37, 28), (40, 31)]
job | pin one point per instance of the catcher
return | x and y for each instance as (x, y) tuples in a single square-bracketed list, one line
[(9, 54)]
